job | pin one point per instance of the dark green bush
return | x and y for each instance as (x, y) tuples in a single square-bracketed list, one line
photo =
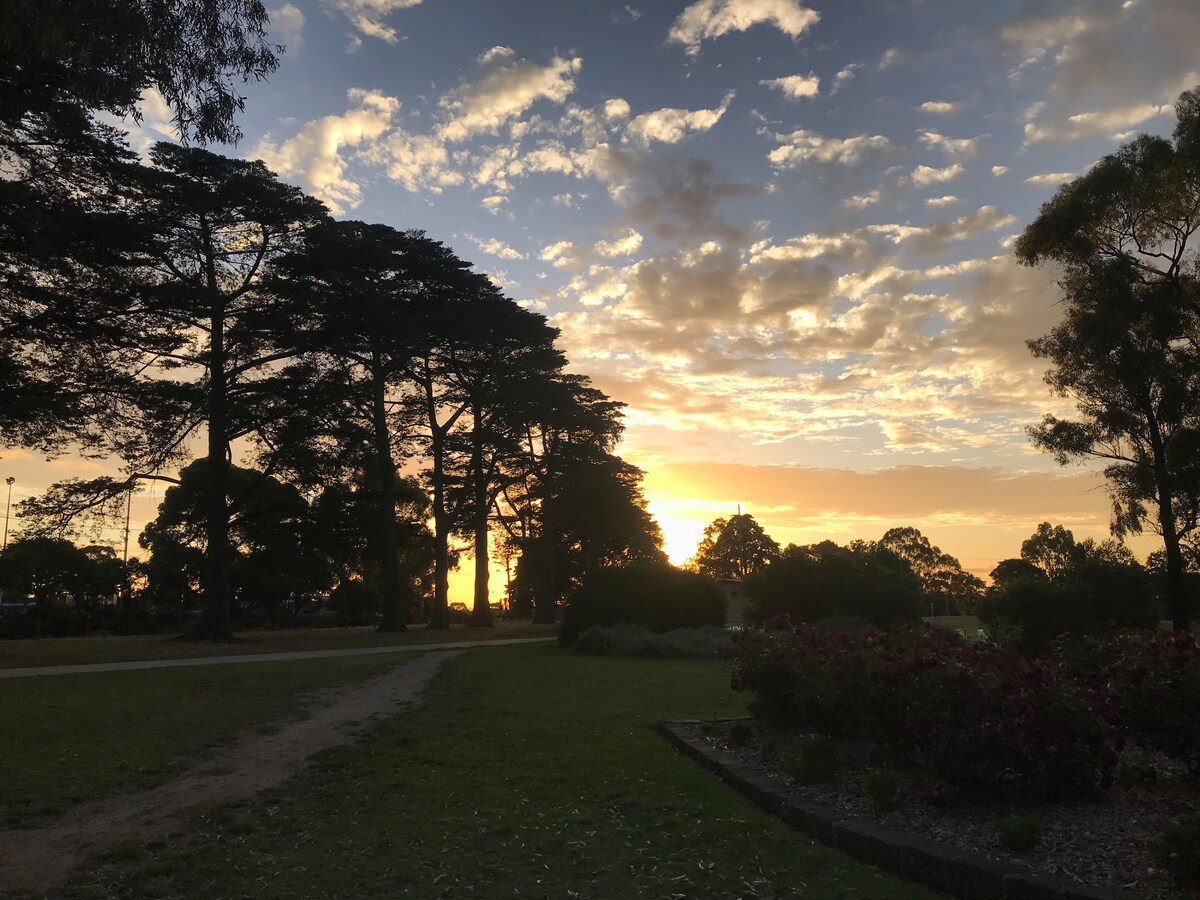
[(1176, 852), (1018, 833), (825, 581), (816, 762), (654, 595)]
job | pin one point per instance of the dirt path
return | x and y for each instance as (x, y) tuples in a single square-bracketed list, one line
[(41, 858)]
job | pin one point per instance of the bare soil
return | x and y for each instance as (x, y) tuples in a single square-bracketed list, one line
[(1104, 842), (40, 858)]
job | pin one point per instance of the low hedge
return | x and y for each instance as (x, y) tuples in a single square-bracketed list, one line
[(654, 595)]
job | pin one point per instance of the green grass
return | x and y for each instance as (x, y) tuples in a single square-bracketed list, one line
[(530, 772), (70, 738), (73, 651)]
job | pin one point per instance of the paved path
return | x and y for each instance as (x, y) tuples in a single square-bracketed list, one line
[(87, 668)]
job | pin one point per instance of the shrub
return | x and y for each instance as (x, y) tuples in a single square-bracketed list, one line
[(1154, 681), (825, 580), (883, 790), (634, 640), (982, 718), (1176, 852), (654, 595), (1018, 833), (815, 763)]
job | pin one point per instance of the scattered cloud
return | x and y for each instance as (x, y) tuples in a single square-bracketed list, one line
[(367, 16), (629, 242), (802, 146), (287, 25), (506, 86), (316, 155), (998, 171), (927, 175), (844, 77), (1050, 179), (711, 19), (1082, 126), (941, 202), (862, 201), (495, 247), (670, 126), (941, 108), (795, 87), (960, 147)]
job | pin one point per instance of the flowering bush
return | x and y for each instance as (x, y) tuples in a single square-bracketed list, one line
[(1154, 680), (980, 717)]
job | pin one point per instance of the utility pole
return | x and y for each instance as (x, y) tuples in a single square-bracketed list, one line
[(8, 505)]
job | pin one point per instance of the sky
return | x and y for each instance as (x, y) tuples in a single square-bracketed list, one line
[(780, 231)]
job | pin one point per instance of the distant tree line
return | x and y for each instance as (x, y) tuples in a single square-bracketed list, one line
[(193, 305)]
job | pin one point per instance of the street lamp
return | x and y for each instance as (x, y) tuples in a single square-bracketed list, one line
[(9, 481)]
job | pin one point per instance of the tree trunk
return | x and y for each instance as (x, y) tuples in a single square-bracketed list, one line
[(439, 616), (481, 612), (391, 589), (215, 619), (1177, 599), (544, 598)]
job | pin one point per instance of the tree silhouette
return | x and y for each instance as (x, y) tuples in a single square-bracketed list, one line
[(948, 587), (1126, 351), (734, 547)]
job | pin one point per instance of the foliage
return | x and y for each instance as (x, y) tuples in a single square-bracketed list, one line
[(1061, 586), (1126, 351), (1018, 833), (647, 593), (734, 548), (1154, 680), (822, 580), (54, 571), (816, 762), (1175, 851), (625, 639), (986, 720), (882, 789), (948, 587)]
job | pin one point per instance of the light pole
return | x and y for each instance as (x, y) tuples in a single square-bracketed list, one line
[(8, 505)]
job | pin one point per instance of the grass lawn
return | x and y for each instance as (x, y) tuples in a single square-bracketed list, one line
[(70, 738), (529, 772), (72, 651)]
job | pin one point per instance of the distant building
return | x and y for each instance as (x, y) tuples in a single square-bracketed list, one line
[(735, 600)]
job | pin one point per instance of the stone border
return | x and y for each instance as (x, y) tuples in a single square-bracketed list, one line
[(968, 876)]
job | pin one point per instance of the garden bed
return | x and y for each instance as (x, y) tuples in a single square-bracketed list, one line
[(1105, 842)]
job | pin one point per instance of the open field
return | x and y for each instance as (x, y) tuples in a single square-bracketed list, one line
[(66, 740), (73, 651), (530, 771)]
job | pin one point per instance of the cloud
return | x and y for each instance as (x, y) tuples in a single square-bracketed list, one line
[(419, 162), (495, 247), (1083, 126), (629, 242), (999, 171), (287, 24), (960, 147), (844, 77), (795, 87), (940, 108), (711, 19), (862, 201), (314, 156), (505, 88), (927, 175), (1050, 179), (367, 15), (941, 202), (802, 146), (670, 126)]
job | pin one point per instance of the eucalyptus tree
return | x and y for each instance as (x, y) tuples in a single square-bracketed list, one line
[(1128, 349)]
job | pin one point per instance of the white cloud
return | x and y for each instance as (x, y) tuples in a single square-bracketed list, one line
[(998, 171), (419, 162), (314, 155), (862, 201), (496, 247), (627, 243), (940, 107), (669, 126), (492, 204), (710, 19), (287, 24), (941, 202), (367, 15), (926, 175), (844, 77), (1094, 124), (1049, 178), (507, 86), (952, 146), (560, 253), (795, 87), (801, 146)]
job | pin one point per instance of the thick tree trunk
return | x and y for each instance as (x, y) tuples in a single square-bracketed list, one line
[(545, 596), (215, 620), (392, 593), (481, 612), (439, 616), (1177, 599)]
